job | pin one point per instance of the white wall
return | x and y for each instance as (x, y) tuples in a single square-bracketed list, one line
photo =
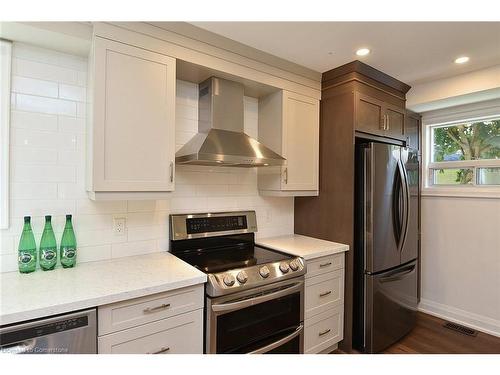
[(461, 260), (48, 169)]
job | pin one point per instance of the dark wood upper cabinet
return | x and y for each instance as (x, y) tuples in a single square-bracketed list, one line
[(413, 124), (369, 114)]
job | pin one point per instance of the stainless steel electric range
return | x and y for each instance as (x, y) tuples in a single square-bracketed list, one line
[(254, 296)]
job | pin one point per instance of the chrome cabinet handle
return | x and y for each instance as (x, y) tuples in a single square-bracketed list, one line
[(285, 175), (324, 332), (171, 171), (325, 264), (325, 293), (153, 309), (382, 123), (388, 123), (162, 350)]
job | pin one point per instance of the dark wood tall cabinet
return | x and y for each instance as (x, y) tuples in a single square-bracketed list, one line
[(356, 100)]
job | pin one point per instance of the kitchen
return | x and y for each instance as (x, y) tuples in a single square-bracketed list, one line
[(225, 199)]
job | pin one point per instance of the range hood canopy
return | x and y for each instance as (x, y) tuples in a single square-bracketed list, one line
[(221, 139)]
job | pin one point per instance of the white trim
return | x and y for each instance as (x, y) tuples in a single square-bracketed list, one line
[(449, 116), (466, 318), (5, 78)]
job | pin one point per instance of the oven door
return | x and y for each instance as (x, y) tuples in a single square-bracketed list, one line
[(261, 320)]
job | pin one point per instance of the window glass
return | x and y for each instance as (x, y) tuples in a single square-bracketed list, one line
[(453, 176), (467, 141), (488, 176)]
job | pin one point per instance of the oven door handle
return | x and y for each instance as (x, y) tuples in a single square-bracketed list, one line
[(280, 342), (297, 287)]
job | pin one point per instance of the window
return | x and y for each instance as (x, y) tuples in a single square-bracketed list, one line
[(464, 155)]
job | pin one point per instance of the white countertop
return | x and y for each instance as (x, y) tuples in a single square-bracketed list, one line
[(40, 294), (303, 246)]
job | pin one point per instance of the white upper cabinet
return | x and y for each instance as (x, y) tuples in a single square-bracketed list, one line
[(289, 125), (131, 132)]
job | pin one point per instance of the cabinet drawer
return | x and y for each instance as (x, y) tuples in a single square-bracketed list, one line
[(181, 334), (325, 264), (324, 330), (130, 313), (324, 292)]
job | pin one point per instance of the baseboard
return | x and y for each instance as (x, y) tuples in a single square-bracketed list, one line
[(466, 318)]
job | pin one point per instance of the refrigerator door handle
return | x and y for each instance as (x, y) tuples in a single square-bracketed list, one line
[(405, 205)]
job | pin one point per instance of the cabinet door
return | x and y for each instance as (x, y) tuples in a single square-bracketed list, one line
[(412, 130), (133, 121), (369, 114), (395, 118), (300, 142)]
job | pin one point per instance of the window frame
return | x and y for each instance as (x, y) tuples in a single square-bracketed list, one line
[(454, 118)]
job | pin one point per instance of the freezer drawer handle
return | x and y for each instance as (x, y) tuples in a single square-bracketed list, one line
[(325, 264), (153, 309), (162, 350), (399, 275), (324, 332), (325, 293)]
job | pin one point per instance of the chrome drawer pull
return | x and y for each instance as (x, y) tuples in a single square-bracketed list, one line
[(325, 264), (162, 350), (153, 309), (324, 332), (325, 293)]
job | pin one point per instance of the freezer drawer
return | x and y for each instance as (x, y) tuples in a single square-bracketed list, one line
[(390, 306)]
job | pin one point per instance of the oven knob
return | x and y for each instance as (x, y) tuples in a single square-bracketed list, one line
[(242, 277), (264, 272), (294, 265), (284, 267), (229, 280)]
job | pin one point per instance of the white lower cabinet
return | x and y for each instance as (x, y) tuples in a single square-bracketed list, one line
[(324, 304), (162, 323), (181, 334)]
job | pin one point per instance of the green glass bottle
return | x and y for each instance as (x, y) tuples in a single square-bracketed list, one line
[(27, 248), (67, 252), (48, 247)]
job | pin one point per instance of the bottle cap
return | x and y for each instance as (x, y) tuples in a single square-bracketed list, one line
[(48, 217), (27, 219), (68, 217)]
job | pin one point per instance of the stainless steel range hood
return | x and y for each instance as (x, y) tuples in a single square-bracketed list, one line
[(221, 139)]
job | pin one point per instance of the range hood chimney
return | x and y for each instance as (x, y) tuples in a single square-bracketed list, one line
[(221, 139)]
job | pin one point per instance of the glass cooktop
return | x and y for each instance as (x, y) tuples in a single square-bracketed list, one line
[(225, 258)]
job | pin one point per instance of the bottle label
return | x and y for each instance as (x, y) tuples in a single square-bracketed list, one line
[(48, 254), (25, 258), (69, 252)]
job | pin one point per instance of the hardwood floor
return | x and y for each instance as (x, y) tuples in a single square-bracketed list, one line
[(430, 337)]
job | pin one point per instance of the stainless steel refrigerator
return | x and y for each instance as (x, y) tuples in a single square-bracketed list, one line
[(386, 244)]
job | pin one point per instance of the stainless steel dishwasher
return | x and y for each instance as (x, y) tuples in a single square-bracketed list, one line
[(73, 333)]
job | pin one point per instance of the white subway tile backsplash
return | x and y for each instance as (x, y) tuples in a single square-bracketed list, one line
[(32, 190), (86, 206), (72, 92), (48, 168), (33, 121), (25, 155), (133, 248), (26, 68), (45, 105), (43, 173), (32, 86)]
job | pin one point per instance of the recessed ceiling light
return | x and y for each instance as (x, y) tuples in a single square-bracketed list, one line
[(461, 60), (362, 52)]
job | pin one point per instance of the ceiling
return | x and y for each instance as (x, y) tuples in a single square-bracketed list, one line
[(412, 52)]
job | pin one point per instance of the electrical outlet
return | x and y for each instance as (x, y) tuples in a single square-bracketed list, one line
[(119, 225)]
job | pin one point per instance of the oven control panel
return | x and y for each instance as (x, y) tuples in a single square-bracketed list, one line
[(251, 277)]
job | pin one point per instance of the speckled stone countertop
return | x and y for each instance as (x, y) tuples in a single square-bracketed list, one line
[(40, 294), (302, 246)]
